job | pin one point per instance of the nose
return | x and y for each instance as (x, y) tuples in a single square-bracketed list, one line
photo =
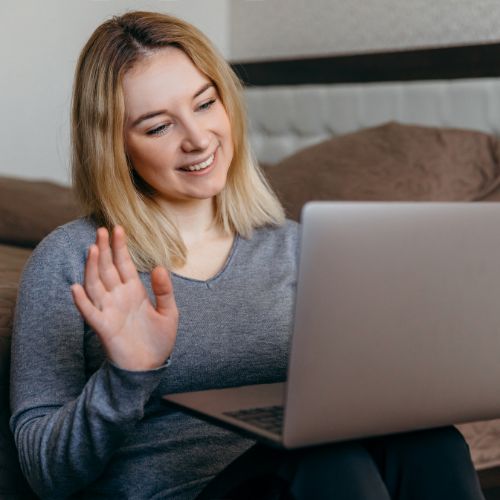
[(196, 137)]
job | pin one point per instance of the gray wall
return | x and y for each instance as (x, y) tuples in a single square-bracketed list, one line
[(39, 44), (287, 28), (40, 41)]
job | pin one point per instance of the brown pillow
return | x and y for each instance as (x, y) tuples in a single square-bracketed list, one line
[(390, 162), (29, 210), (12, 483)]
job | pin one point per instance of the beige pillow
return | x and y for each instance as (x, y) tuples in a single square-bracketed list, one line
[(29, 210), (390, 162)]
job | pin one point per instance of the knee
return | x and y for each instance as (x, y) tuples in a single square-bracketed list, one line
[(446, 439), (349, 454), (441, 445), (349, 459), (341, 470)]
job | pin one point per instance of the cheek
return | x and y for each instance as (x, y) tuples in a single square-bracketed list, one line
[(134, 151), (228, 128), (147, 158), (226, 132), (223, 122)]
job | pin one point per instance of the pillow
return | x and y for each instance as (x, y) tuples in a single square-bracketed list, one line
[(12, 483), (390, 162), (29, 210)]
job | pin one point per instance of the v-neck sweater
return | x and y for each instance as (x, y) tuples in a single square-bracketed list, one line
[(85, 428)]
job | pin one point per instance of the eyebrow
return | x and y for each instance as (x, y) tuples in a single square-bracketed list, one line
[(152, 114)]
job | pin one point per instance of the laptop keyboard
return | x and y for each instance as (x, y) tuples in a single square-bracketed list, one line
[(269, 418)]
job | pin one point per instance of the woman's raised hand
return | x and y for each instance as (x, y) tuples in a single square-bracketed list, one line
[(135, 334)]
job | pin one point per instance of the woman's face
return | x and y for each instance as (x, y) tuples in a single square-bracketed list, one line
[(177, 132)]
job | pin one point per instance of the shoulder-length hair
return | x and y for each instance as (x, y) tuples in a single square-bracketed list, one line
[(104, 179)]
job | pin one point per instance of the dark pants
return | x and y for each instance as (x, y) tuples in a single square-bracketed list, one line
[(424, 465)]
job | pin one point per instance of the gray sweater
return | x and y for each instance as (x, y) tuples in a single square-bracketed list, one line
[(87, 429)]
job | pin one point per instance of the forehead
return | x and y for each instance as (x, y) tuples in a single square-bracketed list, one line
[(163, 78)]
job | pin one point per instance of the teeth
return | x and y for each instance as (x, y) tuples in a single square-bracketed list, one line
[(202, 165)]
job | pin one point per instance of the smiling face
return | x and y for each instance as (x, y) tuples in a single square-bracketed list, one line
[(177, 132)]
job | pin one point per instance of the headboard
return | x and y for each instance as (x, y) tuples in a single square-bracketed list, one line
[(295, 103)]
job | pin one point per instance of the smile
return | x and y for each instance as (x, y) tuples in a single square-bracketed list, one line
[(200, 166)]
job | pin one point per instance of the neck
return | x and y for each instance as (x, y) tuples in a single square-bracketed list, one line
[(194, 219)]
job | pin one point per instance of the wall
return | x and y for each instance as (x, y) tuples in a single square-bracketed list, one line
[(40, 42), (39, 45), (315, 27)]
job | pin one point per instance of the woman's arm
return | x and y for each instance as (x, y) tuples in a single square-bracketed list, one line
[(66, 427)]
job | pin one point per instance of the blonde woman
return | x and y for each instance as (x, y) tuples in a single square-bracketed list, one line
[(180, 277)]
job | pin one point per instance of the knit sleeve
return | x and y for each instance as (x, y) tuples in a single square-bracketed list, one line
[(66, 427)]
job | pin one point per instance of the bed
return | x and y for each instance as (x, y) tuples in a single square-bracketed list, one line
[(409, 125)]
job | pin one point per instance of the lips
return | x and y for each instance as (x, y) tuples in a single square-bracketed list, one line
[(198, 166)]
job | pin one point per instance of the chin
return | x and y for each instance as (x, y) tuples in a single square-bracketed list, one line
[(211, 191), (206, 195)]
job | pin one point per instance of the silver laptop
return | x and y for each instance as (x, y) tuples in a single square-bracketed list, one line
[(397, 327)]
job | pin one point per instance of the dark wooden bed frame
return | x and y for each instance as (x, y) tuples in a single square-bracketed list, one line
[(469, 61)]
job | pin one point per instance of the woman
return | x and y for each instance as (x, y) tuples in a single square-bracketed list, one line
[(160, 154)]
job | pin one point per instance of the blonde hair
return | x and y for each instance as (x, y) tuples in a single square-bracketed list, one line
[(105, 182)]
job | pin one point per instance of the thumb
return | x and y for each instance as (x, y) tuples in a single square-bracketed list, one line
[(163, 290)]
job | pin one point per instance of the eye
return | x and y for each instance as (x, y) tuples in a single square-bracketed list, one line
[(206, 105), (162, 129)]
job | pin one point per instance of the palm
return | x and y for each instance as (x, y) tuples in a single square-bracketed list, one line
[(135, 334)]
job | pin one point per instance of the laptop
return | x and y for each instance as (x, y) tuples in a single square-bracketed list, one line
[(397, 327)]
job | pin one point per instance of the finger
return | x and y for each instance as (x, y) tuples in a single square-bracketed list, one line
[(121, 257), (163, 290), (107, 270), (89, 312), (93, 285)]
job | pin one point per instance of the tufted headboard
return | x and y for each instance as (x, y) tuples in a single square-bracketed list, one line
[(295, 103)]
